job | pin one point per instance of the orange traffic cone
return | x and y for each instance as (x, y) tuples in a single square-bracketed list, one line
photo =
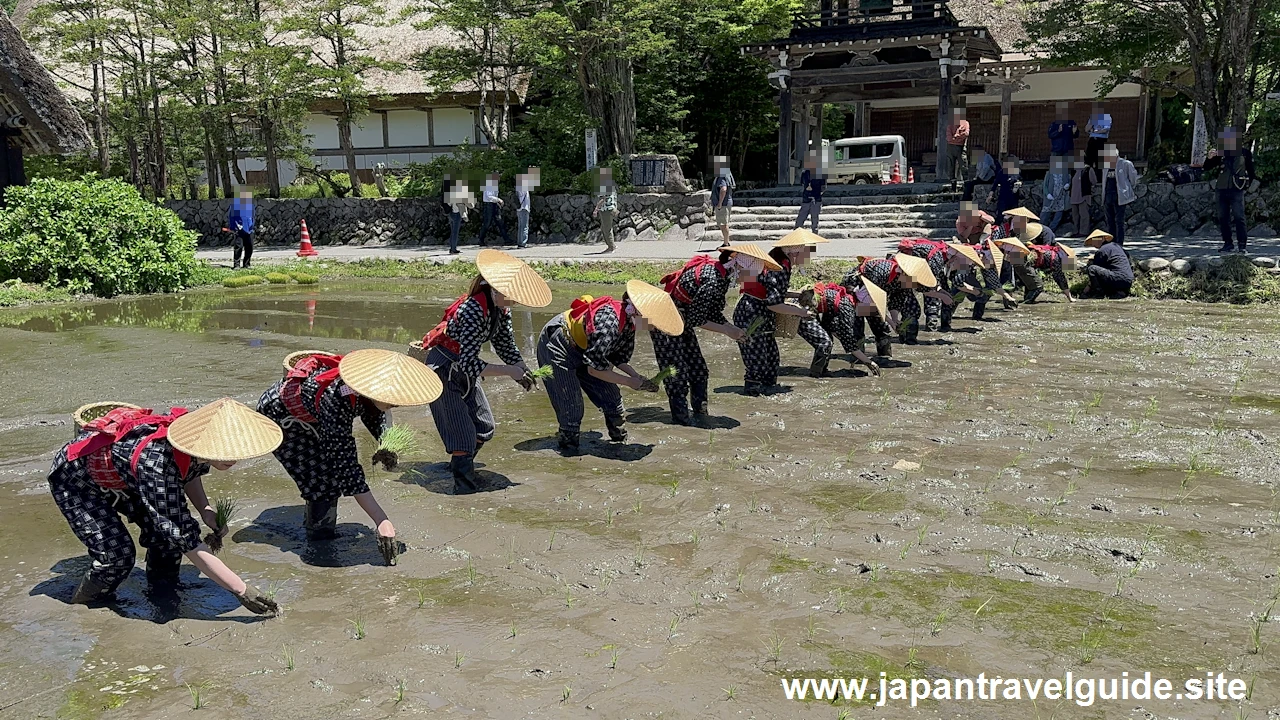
[(311, 314), (911, 174), (306, 250), (897, 173)]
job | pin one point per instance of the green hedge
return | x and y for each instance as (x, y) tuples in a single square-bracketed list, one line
[(97, 236)]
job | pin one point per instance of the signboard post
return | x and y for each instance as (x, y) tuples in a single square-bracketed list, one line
[(591, 148)]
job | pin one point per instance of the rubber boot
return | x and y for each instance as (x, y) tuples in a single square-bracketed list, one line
[(701, 408), (699, 397), (567, 441), (979, 309), (884, 347), (753, 389), (321, 519), (465, 481), (617, 431), (818, 368), (162, 569), (89, 591)]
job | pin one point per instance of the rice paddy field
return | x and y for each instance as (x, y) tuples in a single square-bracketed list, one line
[(1088, 488)]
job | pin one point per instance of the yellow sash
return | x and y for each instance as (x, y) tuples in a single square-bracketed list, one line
[(578, 327)]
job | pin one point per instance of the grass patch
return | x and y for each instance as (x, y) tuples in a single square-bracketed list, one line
[(1236, 281), (839, 498), (784, 563), (14, 293), (276, 278), (239, 281)]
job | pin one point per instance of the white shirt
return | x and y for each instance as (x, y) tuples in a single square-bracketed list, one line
[(491, 193), (522, 195)]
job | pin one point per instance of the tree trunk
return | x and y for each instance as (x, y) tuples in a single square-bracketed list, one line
[(268, 125), (210, 168), (348, 151)]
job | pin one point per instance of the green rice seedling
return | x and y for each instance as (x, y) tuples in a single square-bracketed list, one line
[(568, 496), (935, 626), (638, 558), (983, 606), (1095, 402), (197, 695), (514, 630), (666, 373), (740, 576), (696, 539), (1255, 636), (224, 510), (422, 597), (357, 626), (1088, 650), (568, 596), (913, 662), (458, 657), (842, 601), (565, 694), (774, 647), (752, 507), (608, 516), (240, 281), (287, 656), (844, 715), (276, 278), (552, 542), (1071, 416), (675, 487), (696, 597), (1088, 467), (811, 628), (613, 658), (1153, 406), (673, 626), (471, 572), (754, 328), (906, 550), (637, 506), (543, 372), (730, 692), (399, 698), (400, 440), (304, 278), (606, 580)]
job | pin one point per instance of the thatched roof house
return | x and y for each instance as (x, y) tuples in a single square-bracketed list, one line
[(27, 90)]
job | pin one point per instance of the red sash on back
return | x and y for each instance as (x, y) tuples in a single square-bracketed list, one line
[(578, 309), (439, 335), (291, 391), (820, 289), (109, 429), (671, 282)]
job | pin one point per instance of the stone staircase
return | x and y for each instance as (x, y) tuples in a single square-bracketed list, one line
[(848, 212)]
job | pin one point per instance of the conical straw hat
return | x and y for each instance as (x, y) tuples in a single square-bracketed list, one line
[(512, 277), (879, 297), (997, 255), (1031, 233), (968, 251), (1021, 212), (1098, 238), (756, 252), (390, 377), (800, 237), (1071, 253), (1012, 242), (224, 431), (917, 269), (656, 306)]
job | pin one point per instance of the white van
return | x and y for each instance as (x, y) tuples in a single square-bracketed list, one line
[(866, 160)]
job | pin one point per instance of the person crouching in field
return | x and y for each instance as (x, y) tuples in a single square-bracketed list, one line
[(835, 313)]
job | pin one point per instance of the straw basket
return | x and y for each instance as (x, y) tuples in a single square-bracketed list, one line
[(788, 325), (294, 358), (86, 414), (417, 352)]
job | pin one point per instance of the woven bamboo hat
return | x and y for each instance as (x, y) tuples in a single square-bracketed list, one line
[(1011, 242), (800, 237), (879, 297), (997, 255), (512, 277), (390, 377), (1033, 231), (968, 251), (755, 251), (656, 306), (917, 269), (224, 431), (1022, 212), (1071, 253), (1098, 238)]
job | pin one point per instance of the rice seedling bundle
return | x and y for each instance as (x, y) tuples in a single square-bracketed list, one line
[(304, 278), (224, 509), (543, 372), (240, 281), (276, 278), (399, 439)]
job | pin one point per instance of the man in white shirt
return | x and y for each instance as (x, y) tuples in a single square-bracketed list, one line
[(525, 183), (492, 211)]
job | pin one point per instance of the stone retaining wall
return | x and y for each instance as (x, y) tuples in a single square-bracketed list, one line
[(424, 221), (1180, 211)]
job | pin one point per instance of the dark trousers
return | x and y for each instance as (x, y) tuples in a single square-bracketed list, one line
[(242, 242), (455, 226), (969, 186), (1092, 150), (492, 214), (1103, 281), (690, 381), (1115, 219), (462, 414), (1231, 212)]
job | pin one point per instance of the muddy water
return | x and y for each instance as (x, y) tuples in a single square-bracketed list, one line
[(1096, 492)]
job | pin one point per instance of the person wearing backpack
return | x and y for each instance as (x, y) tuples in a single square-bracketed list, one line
[(1237, 173)]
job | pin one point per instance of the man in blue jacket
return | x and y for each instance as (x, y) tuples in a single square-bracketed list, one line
[(812, 184), (1062, 135), (240, 222)]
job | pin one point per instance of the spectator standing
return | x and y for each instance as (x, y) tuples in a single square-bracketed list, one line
[(1099, 129), (606, 207), (1082, 182), (492, 211), (1057, 188), (525, 184), (957, 141), (240, 221), (1007, 184), (812, 183), (1119, 179), (1237, 173), (985, 172), (1062, 135), (722, 195), (460, 200)]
